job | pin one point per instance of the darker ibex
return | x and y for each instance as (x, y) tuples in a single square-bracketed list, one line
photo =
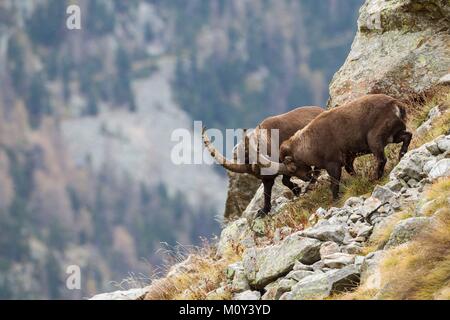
[(335, 137), (287, 124)]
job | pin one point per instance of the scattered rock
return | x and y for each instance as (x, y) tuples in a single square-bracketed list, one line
[(248, 295), (263, 265), (353, 201), (236, 232), (443, 143), (383, 194), (405, 230), (328, 248), (298, 275), (338, 260), (370, 270), (237, 278), (322, 285), (300, 266), (132, 294), (326, 232), (445, 79), (281, 233), (276, 289), (440, 169)]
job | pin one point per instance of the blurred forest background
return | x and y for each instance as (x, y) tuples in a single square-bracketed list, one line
[(86, 117)]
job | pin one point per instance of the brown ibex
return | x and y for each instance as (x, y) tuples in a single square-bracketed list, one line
[(287, 124), (332, 140)]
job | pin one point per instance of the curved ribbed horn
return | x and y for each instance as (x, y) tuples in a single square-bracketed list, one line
[(220, 159)]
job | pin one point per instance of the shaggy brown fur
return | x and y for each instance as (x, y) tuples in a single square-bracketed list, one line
[(287, 124), (336, 137)]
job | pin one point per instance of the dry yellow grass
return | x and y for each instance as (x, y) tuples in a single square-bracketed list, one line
[(201, 273)]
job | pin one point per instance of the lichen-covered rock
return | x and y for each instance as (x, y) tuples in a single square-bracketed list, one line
[(263, 265), (440, 169), (241, 189), (402, 46), (276, 289), (236, 276), (298, 275), (132, 294), (338, 260), (236, 233), (383, 194), (248, 295), (328, 248), (322, 285), (443, 143), (405, 230), (280, 195), (370, 270), (325, 231)]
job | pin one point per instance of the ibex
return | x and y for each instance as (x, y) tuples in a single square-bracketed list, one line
[(287, 124), (332, 140)]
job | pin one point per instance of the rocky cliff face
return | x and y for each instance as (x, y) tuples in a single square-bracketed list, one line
[(402, 47)]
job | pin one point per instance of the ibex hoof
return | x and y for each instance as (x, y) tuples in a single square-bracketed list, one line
[(296, 191), (262, 213)]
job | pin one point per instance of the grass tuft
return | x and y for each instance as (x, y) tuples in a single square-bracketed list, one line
[(199, 273)]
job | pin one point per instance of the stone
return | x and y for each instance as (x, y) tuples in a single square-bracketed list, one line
[(370, 271), (235, 233), (300, 266), (326, 232), (363, 230), (352, 248), (440, 169), (280, 196), (355, 217), (132, 294), (413, 183), (218, 293), (399, 49), (286, 296), (338, 260), (318, 266), (281, 233), (248, 295), (328, 248), (433, 148), (429, 165), (444, 79), (353, 201), (406, 230), (370, 206), (443, 143), (298, 275), (394, 185), (322, 285), (263, 265), (236, 276), (241, 189), (321, 213), (276, 289), (383, 194)]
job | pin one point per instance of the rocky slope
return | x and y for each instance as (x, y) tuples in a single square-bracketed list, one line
[(298, 254), (341, 249)]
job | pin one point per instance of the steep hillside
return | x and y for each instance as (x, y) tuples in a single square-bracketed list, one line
[(87, 116), (386, 239)]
